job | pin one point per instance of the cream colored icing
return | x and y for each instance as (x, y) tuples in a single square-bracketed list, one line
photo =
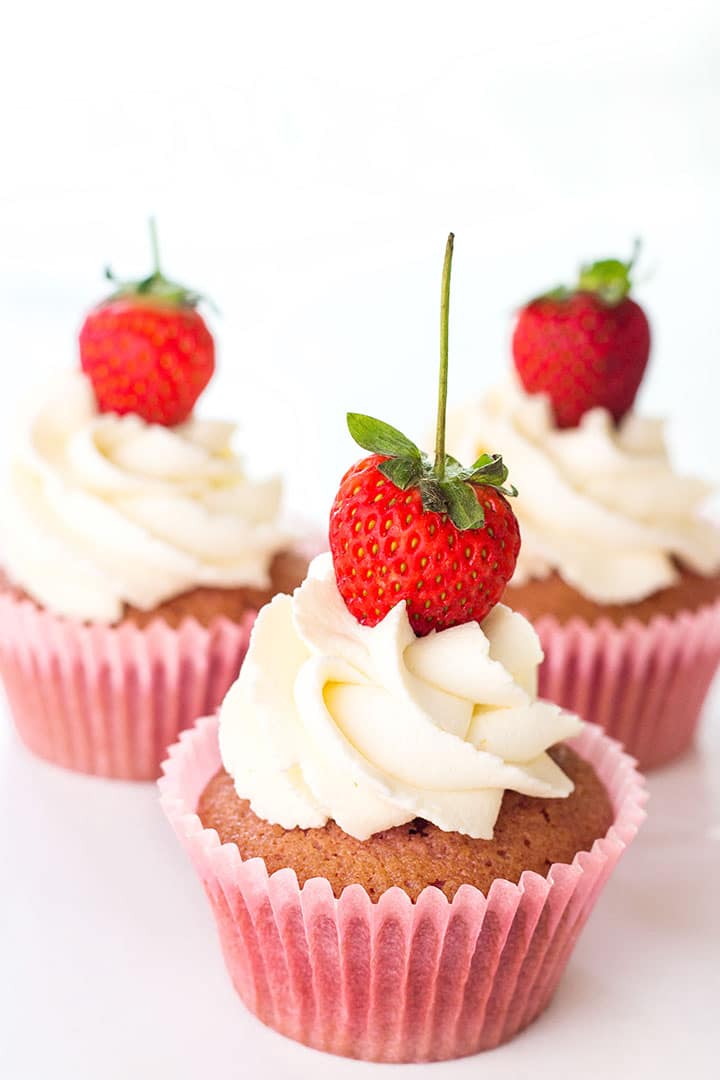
[(372, 727), (101, 510), (600, 504)]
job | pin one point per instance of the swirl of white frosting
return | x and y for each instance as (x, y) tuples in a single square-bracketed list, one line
[(372, 727), (600, 503), (102, 511)]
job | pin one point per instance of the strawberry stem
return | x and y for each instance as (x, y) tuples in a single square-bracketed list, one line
[(156, 286), (154, 247), (637, 247), (439, 468), (445, 486)]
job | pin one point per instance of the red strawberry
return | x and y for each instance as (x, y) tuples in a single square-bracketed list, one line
[(386, 548), (147, 350), (438, 536), (585, 347)]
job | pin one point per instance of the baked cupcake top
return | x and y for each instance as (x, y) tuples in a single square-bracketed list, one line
[(117, 495), (392, 685), (600, 503)]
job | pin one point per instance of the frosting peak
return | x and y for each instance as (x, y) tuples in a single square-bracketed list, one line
[(372, 727), (599, 503), (104, 510)]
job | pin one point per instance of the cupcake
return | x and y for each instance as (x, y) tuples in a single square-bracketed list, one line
[(135, 550), (620, 567), (399, 841)]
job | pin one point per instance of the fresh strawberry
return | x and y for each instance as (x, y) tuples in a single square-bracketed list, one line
[(387, 547), (440, 537), (147, 350), (585, 347)]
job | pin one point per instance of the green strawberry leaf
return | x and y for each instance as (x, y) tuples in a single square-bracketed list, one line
[(156, 286), (453, 493), (432, 495), (462, 504), (489, 469), (608, 278), (405, 471), (379, 437), (482, 461), (454, 470)]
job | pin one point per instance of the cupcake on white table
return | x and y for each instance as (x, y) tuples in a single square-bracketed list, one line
[(620, 566), (135, 550), (397, 844)]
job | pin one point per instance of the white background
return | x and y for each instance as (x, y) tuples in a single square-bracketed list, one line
[(305, 162)]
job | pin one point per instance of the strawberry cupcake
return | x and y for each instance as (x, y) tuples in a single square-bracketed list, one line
[(620, 567), (399, 841), (135, 549)]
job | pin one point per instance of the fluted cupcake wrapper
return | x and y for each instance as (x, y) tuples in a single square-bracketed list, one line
[(395, 980), (644, 683), (109, 700)]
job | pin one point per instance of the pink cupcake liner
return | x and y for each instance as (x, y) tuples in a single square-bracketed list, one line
[(109, 700), (395, 980), (645, 684)]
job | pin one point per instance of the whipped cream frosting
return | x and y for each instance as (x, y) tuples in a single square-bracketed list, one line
[(600, 503), (372, 727), (102, 510)]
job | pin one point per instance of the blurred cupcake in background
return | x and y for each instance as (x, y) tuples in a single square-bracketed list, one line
[(401, 843), (620, 567), (135, 550)]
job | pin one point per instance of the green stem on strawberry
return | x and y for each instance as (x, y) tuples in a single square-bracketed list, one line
[(155, 287), (443, 382), (608, 279), (445, 486), (157, 272)]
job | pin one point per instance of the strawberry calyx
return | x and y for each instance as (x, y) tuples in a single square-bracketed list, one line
[(446, 486), (608, 279), (451, 493), (156, 287)]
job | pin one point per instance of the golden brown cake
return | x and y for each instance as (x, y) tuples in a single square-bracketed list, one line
[(287, 570), (553, 596), (530, 834)]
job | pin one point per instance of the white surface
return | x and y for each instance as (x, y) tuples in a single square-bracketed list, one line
[(305, 162), (111, 967)]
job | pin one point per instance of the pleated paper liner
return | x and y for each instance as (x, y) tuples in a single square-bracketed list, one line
[(109, 700), (644, 683), (396, 980)]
